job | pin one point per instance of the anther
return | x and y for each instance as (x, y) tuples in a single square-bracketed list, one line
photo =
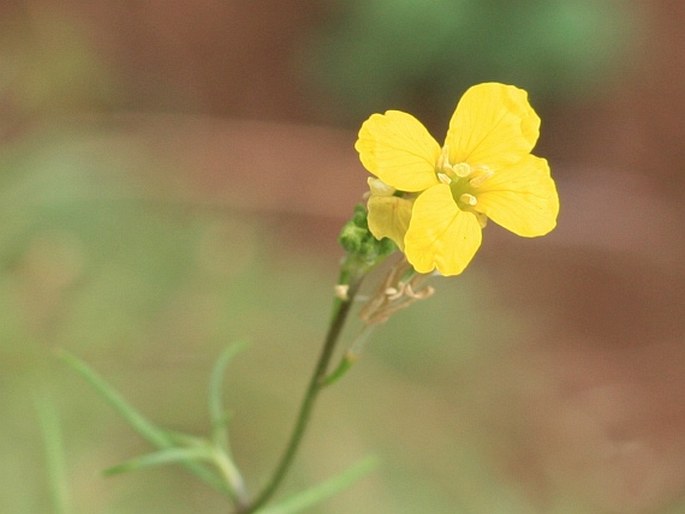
[(442, 177), (468, 199), (462, 169)]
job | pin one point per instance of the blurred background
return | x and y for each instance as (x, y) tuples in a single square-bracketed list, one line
[(173, 176)]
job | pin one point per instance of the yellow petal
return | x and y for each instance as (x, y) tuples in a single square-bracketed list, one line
[(522, 198), (389, 217), (493, 125), (440, 235), (398, 149)]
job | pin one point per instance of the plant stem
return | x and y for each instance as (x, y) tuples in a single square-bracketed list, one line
[(317, 382)]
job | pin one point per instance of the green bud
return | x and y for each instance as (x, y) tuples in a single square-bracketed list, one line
[(359, 242)]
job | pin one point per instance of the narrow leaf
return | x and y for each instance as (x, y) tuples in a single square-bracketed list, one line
[(165, 456), (138, 422), (54, 456), (149, 431), (181, 439), (305, 499), (217, 411)]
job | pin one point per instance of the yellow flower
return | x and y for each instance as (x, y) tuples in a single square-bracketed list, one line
[(433, 202)]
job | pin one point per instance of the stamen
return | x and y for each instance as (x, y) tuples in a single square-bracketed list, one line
[(442, 177), (468, 199), (441, 159), (462, 169), (485, 174)]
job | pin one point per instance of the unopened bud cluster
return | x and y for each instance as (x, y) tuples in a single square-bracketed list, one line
[(358, 241)]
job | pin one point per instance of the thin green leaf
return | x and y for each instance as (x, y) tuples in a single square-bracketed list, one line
[(165, 456), (181, 439), (138, 422), (149, 431), (305, 499), (54, 453), (217, 411), (219, 422)]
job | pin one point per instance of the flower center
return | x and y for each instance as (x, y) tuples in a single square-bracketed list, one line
[(463, 179)]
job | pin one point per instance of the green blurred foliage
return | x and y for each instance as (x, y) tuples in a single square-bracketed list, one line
[(375, 54)]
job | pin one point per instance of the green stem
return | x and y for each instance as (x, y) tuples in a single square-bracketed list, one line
[(316, 384)]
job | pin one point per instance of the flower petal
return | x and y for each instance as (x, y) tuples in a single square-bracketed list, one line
[(522, 198), (441, 235), (493, 125), (389, 217), (398, 149)]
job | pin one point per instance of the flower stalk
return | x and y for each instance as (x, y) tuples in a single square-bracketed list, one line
[(352, 278)]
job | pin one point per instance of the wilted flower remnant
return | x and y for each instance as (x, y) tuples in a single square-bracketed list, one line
[(400, 288)]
